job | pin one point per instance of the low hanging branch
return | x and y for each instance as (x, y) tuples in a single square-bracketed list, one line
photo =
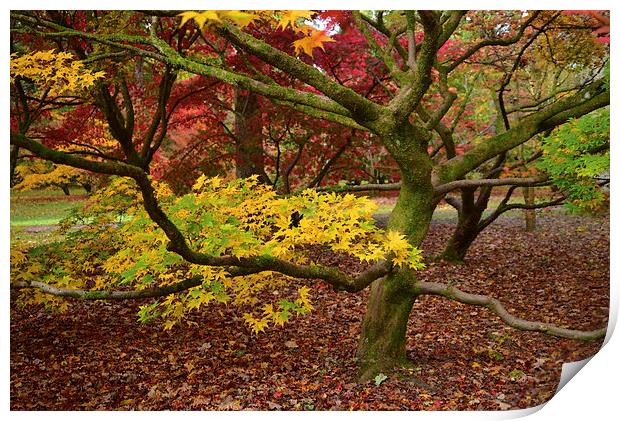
[(108, 294), (339, 280), (361, 187), (510, 181), (434, 288), (443, 188), (421, 288)]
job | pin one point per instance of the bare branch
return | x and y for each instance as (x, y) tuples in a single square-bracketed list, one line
[(434, 288), (495, 41), (511, 181), (361, 187)]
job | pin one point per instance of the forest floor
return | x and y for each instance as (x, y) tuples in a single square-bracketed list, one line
[(98, 357)]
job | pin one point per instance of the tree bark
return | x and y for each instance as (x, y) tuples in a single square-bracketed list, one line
[(383, 338), (468, 224), (529, 196), (462, 238), (249, 154), (14, 157)]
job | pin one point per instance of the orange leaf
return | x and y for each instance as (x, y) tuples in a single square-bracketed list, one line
[(315, 39), (289, 17)]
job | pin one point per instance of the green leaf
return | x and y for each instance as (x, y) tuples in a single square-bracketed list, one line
[(380, 378)]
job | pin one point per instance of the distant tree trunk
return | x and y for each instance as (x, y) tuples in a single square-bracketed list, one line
[(462, 238), (529, 196), (65, 189), (88, 187), (249, 154), (14, 156), (467, 227)]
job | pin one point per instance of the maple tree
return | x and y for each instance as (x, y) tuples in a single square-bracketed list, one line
[(235, 241), (533, 76), (41, 83), (44, 175)]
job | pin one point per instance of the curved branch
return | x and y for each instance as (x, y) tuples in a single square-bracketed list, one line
[(346, 97), (177, 242), (361, 187), (107, 294), (581, 103), (112, 168), (378, 50), (168, 55), (379, 25), (493, 42), (410, 96), (511, 181), (503, 207), (434, 288), (354, 284)]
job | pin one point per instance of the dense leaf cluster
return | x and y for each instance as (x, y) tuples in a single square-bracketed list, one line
[(576, 156), (112, 243)]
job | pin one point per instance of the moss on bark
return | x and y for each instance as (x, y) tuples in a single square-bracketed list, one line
[(383, 340)]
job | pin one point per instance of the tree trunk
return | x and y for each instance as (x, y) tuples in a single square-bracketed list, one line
[(65, 190), (249, 154), (462, 238), (529, 196), (383, 339), (14, 156), (467, 227)]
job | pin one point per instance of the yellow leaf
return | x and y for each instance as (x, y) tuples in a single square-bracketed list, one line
[(267, 309), (208, 15), (239, 18), (185, 16)]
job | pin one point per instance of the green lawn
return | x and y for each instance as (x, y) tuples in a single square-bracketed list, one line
[(445, 212), (43, 207)]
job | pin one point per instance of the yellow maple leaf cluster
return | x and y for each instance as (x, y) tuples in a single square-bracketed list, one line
[(118, 245), (55, 73)]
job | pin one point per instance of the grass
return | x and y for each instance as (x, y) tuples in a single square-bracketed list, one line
[(43, 207)]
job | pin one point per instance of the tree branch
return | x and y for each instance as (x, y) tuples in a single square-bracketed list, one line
[(512, 181), (361, 187), (355, 103), (377, 49), (495, 41), (574, 106), (168, 55), (434, 288)]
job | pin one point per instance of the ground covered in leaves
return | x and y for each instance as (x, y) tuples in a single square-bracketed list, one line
[(463, 358)]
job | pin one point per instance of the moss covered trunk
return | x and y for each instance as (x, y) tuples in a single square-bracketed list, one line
[(383, 339)]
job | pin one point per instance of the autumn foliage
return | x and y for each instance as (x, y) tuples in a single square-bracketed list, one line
[(221, 130)]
